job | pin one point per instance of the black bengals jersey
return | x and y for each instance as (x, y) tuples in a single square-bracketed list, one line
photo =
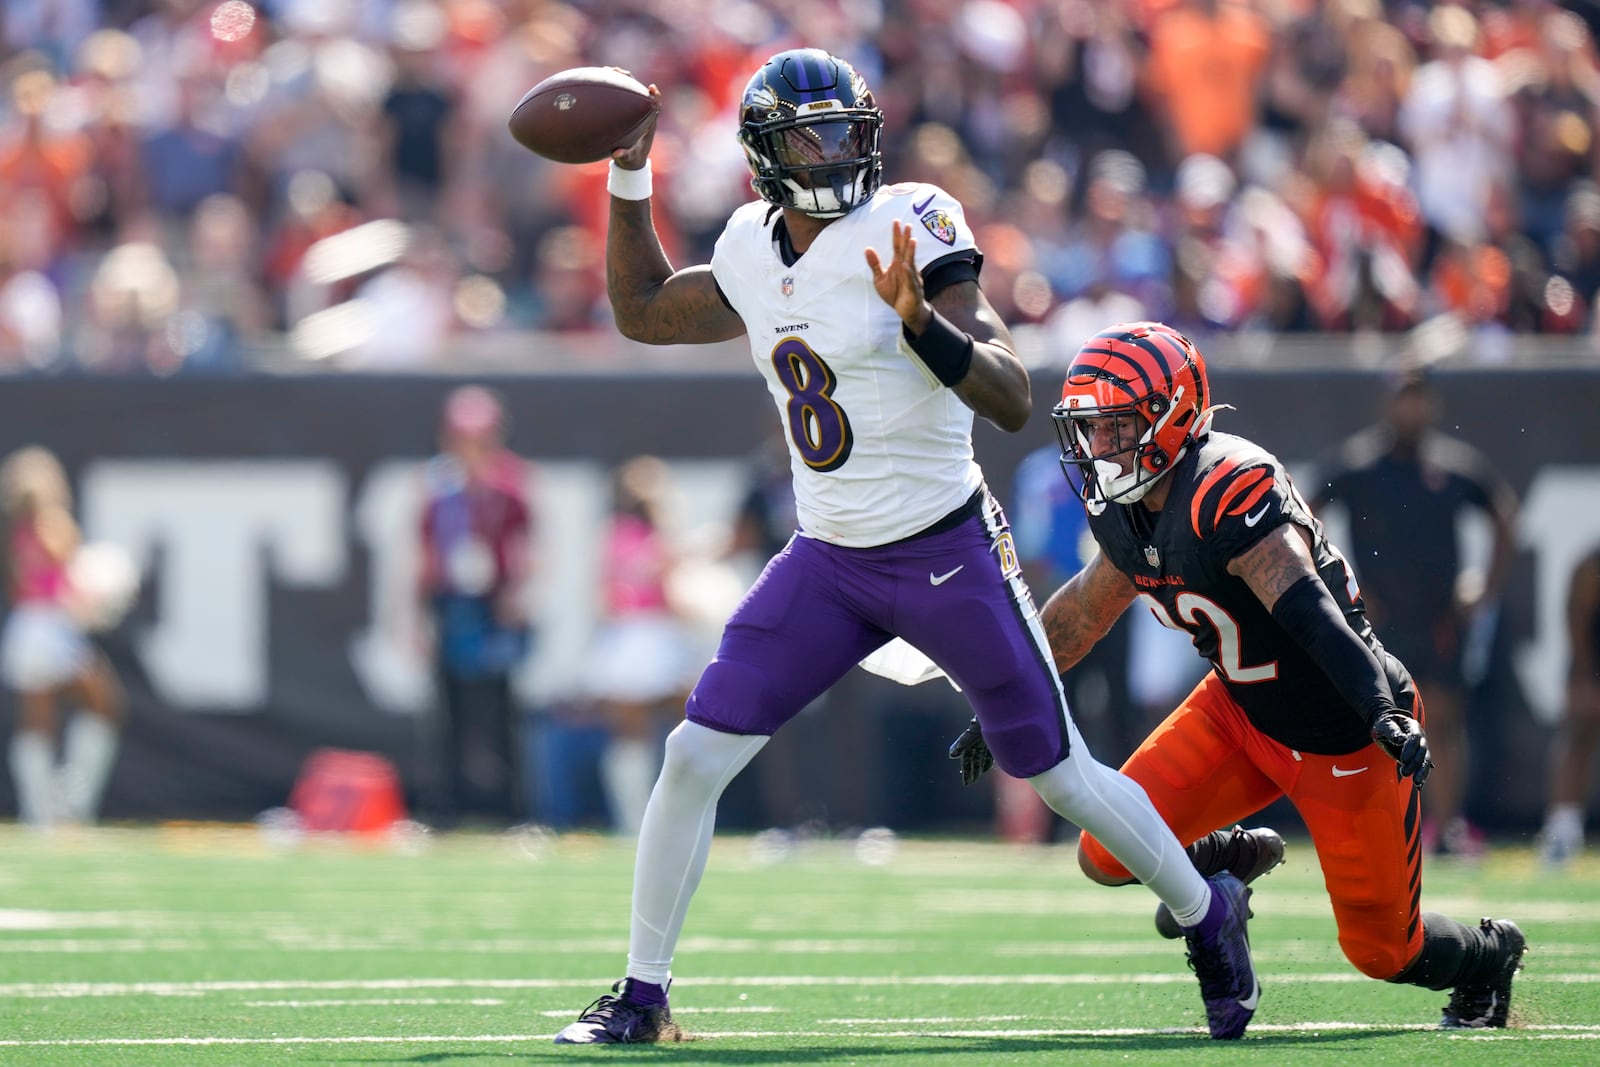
[(1226, 495)]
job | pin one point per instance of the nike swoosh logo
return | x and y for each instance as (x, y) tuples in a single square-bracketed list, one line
[(918, 209), (1249, 1004), (940, 579), (1251, 520), (1340, 772)]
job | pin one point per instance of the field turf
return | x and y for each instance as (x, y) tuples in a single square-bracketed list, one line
[(219, 945)]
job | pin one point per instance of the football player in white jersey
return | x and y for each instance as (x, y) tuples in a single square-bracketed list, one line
[(876, 369)]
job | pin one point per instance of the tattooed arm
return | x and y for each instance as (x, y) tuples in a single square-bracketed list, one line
[(1274, 563), (650, 301), (1083, 610)]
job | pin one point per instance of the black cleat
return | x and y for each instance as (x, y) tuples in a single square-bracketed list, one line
[(1245, 854), (614, 1020), (1485, 1004)]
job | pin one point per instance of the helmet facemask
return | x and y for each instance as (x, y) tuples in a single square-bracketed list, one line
[(1094, 466)]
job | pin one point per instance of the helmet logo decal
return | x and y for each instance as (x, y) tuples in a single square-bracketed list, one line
[(1152, 555), (940, 225)]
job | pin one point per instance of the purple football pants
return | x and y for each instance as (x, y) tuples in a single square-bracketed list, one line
[(956, 594)]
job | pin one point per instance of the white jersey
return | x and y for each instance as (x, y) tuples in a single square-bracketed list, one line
[(879, 449)]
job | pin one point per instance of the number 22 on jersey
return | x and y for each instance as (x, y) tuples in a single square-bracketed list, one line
[(1229, 648)]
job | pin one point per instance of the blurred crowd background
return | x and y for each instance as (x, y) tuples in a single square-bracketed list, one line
[(201, 186)]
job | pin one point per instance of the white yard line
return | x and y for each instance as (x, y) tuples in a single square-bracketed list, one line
[(49, 990), (1585, 1033)]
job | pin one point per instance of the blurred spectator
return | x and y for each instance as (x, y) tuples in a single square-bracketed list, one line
[(1404, 487), (472, 588), (1556, 93), (1460, 129), (1114, 248), (640, 665), (1365, 228), (1393, 132), (192, 159), (418, 131), (1576, 258), (1578, 737), (46, 656), (223, 307), (1089, 56), (1378, 68), (45, 164), (1206, 64), (133, 296)]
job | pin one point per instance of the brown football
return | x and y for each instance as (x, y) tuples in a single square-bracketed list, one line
[(581, 115)]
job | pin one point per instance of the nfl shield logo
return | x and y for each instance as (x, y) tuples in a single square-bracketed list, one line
[(787, 285), (1151, 556)]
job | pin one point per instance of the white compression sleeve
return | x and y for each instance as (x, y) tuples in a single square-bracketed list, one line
[(1117, 811), (676, 839)]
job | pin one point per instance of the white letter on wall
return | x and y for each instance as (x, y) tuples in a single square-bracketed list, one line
[(1560, 521), (220, 527)]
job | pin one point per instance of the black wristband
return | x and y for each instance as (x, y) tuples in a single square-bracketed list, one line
[(943, 349)]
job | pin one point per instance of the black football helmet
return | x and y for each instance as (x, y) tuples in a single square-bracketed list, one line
[(810, 129)]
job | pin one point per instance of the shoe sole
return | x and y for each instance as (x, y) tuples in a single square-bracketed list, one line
[(1501, 1009)]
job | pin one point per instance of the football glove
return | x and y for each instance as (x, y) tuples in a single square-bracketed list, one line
[(973, 752), (1402, 738)]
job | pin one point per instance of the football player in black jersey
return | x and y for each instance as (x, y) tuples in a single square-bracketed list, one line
[(1302, 700)]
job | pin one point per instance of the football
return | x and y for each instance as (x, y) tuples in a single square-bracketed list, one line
[(582, 115)]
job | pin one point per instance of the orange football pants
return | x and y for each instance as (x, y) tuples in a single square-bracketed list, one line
[(1206, 767)]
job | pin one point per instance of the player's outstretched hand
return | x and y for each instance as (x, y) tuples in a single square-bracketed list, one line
[(973, 752), (633, 157), (899, 284), (1402, 738)]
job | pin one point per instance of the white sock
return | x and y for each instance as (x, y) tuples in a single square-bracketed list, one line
[(33, 765), (1566, 819), (1117, 811), (676, 839), (91, 747), (629, 770)]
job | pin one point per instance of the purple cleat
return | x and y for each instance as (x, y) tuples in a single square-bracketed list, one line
[(1219, 954), (617, 1020)]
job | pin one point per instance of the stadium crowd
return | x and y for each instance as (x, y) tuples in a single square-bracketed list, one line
[(183, 181)]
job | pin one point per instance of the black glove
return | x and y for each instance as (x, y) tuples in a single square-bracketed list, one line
[(973, 753), (1402, 738)]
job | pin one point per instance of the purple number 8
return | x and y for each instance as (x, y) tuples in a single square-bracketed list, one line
[(818, 427)]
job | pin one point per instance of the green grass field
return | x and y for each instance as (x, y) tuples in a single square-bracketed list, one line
[(213, 946)]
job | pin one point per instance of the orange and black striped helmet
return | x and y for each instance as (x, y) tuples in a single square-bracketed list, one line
[(1151, 379)]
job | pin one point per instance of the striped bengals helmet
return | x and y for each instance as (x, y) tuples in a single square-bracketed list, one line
[(1150, 379)]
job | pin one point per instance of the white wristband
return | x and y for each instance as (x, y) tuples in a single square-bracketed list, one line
[(627, 184)]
